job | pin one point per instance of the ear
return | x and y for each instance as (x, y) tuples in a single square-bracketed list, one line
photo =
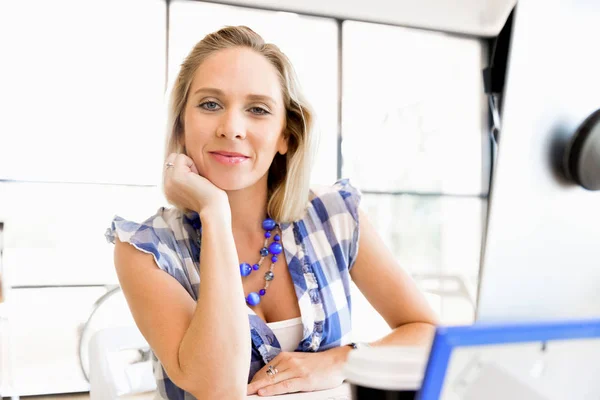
[(180, 130), (282, 144), (181, 140)]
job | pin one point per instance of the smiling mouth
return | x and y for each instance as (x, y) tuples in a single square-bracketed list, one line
[(228, 158)]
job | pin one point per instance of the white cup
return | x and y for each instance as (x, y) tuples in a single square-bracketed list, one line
[(390, 372)]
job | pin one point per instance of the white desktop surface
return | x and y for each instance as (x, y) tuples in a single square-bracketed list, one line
[(341, 392)]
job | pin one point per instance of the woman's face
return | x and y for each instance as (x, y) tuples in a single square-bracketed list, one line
[(234, 118)]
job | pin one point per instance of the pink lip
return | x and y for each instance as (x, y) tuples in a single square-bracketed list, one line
[(228, 158), (229, 154)]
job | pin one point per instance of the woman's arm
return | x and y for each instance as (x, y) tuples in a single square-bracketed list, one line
[(204, 346), (217, 344), (391, 291)]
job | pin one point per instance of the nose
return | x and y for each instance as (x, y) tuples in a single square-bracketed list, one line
[(232, 126)]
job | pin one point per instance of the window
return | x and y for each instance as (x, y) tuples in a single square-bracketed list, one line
[(413, 110), (413, 119), (82, 96), (81, 138)]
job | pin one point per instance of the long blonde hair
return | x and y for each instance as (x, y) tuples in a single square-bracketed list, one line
[(289, 174)]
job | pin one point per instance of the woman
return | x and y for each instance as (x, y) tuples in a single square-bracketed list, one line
[(237, 169)]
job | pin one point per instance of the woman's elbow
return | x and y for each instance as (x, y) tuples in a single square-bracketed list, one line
[(203, 387)]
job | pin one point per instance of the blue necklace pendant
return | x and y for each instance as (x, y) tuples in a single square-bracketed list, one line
[(253, 299)]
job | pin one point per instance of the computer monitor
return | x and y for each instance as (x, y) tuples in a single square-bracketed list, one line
[(499, 361), (541, 252)]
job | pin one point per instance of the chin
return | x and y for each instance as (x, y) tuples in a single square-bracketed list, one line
[(231, 183)]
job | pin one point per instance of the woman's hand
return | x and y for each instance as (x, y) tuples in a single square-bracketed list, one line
[(301, 372), (186, 188)]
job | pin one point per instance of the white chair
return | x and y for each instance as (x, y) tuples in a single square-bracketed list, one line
[(120, 365)]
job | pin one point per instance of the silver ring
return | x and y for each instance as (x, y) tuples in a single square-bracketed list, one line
[(271, 371), (169, 165)]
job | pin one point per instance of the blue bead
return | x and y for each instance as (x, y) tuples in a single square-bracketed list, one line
[(253, 299), (267, 235), (275, 248), (262, 292), (274, 259), (264, 252), (269, 276), (269, 224), (255, 267), (245, 269), (277, 238)]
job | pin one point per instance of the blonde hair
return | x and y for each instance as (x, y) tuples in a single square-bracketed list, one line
[(289, 174)]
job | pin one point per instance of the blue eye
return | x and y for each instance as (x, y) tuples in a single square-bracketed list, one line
[(259, 111), (209, 105)]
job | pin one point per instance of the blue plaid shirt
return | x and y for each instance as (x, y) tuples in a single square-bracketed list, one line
[(320, 250)]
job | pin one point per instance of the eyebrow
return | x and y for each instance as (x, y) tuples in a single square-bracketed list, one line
[(219, 92)]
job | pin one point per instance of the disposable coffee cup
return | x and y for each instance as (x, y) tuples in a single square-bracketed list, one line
[(390, 373)]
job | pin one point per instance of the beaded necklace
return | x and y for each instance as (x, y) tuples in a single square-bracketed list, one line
[(274, 249)]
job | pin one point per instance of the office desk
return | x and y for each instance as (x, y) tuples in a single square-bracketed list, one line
[(339, 393)]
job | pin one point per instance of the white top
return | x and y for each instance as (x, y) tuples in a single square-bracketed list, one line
[(289, 333)]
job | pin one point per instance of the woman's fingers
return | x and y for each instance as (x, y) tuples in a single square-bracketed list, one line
[(298, 372), (183, 162), (170, 160), (286, 386), (262, 378), (267, 380), (261, 373), (193, 167), (171, 157)]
